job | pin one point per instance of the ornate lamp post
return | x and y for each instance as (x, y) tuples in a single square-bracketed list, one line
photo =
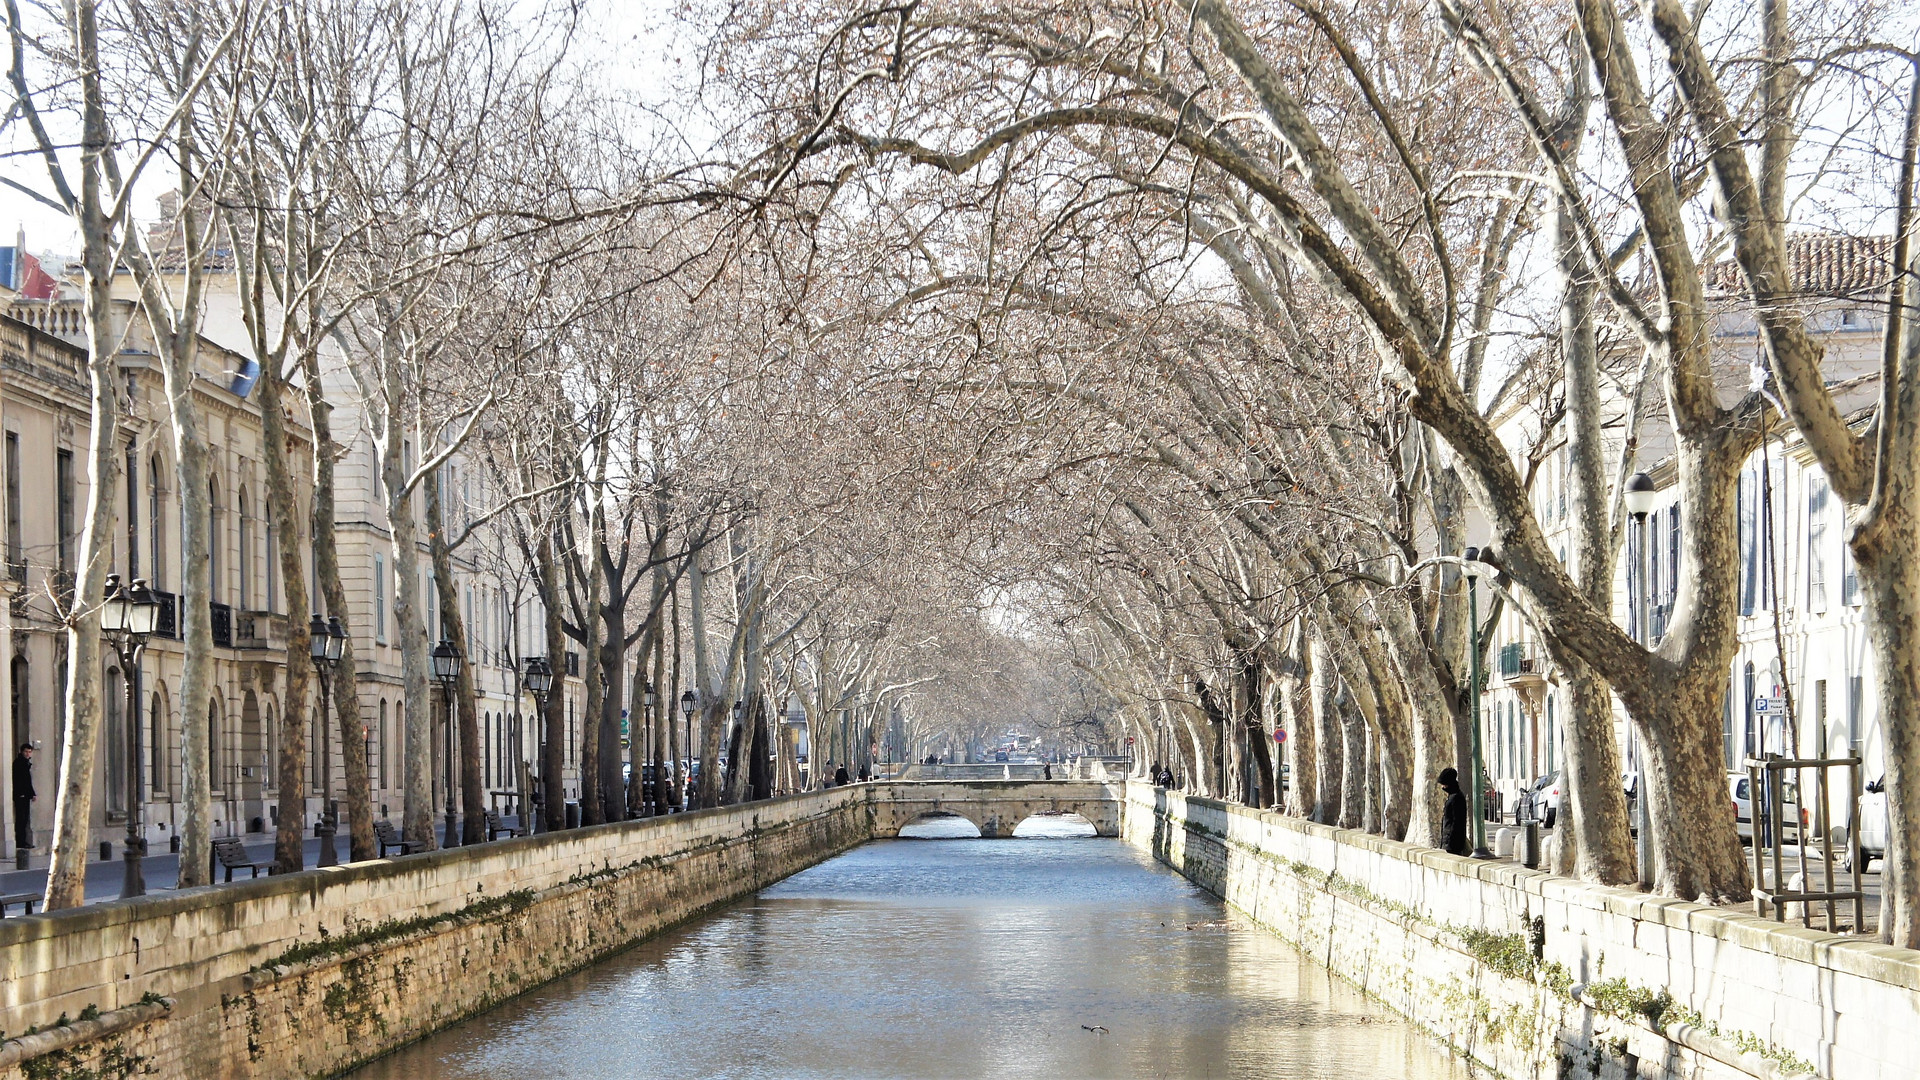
[(649, 791), (688, 702), (1474, 569), (326, 643), (538, 679), (127, 617), (446, 668), (1639, 498)]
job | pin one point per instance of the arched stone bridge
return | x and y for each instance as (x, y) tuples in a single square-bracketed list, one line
[(996, 807)]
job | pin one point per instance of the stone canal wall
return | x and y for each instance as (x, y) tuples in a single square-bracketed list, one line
[(1540, 977), (313, 973)]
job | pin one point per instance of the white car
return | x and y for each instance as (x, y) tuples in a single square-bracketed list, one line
[(1873, 827), (1738, 786)]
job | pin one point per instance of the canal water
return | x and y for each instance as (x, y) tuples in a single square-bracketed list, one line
[(1053, 957)]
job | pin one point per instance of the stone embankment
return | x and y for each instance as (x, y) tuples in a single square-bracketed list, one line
[(313, 973), (1541, 978)]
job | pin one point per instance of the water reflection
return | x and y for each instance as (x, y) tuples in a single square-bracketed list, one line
[(1048, 958)]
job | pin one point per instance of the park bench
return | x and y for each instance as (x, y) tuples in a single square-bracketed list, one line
[(26, 900), (232, 854), (496, 826), (389, 837)]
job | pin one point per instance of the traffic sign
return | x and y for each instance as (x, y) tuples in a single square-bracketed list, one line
[(1770, 706), (1279, 734)]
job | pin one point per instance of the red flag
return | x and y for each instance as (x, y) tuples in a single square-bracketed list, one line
[(35, 283)]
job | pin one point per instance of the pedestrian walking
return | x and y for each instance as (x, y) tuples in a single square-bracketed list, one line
[(1454, 837), (1046, 771), (1153, 775), (840, 778), (23, 797)]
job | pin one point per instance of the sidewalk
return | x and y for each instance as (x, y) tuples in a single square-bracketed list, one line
[(162, 870)]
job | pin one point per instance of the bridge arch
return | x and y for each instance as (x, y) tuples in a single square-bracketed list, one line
[(938, 818), (996, 807)]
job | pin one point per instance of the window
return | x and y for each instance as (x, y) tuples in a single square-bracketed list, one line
[(1553, 734), (380, 748), (64, 503), (273, 561), (1750, 716), (246, 554), (213, 541), (432, 606), (1817, 544), (115, 738), (157, 777), (156, 522), (380, 604), (216, 760), (1819, 718), (133, 514), (1747, 520), (1673, 554), (1849, 575), (16, 557)]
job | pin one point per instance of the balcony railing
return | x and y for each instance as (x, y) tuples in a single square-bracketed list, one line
[(166, 623), (222, 624), (1519, 658)]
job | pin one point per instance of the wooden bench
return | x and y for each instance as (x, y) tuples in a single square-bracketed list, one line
[(26, 900), (232, 854), (496, 826), (389, 837)]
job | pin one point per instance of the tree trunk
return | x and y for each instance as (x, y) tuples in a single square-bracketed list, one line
[(73, 806), (1353, 789), (593, 810), (404, 540), (326, 567), (289, 851), (1325, 682), (553, 750), (196, 626), (1298, 709), (461, 710)]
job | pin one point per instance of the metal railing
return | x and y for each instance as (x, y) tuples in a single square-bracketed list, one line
[(1772, 795), (1520, 658), (222, 623)]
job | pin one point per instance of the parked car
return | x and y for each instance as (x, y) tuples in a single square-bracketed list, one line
[(1793, 818), (1542, 801), (1873, 826)]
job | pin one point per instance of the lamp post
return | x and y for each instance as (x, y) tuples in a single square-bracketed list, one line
[(688, 702), (326, 643), (446, 668), (1639, 497), (539, 680), (127, 617), (1474, 569), (649, 789)]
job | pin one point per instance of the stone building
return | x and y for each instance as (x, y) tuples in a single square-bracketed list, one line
[(1798, 585), (44, 411)]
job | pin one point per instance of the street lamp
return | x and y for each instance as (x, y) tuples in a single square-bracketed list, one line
[(127, 617), (446, 668), (326, 644), (1639, 497), (649, 790), (539, 680), (1474, 569), (687, 704)]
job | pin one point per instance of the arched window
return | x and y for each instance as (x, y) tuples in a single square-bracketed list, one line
[(216, 752), (22, 714), (156, 524), (273, 559), (115, 738), (380, 748), (214, 591), (158, 778), (246, 552)]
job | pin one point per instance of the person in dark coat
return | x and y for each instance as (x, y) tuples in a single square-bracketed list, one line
[(23, 797), (1454, 837), (840, 778), (1153, 775)]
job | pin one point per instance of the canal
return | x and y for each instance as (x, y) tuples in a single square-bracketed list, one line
[(1052, 957)]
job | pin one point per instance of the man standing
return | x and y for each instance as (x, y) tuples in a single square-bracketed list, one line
[(23, 797), (1454, 836)]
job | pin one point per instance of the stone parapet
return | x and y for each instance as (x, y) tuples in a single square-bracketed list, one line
[(1539, 977), (311, 974)]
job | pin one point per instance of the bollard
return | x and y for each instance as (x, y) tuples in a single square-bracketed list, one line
[(173, 843), (19, 858), (106, 851), (1533, 845)]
